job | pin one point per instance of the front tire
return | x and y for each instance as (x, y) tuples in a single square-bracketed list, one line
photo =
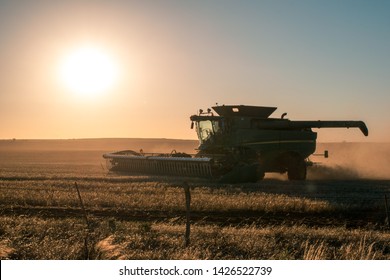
[(243, 173), (297, 169)]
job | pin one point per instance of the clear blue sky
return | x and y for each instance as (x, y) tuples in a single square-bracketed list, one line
[(313, 59)]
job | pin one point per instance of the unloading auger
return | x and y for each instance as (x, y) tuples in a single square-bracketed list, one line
[(237, 143)]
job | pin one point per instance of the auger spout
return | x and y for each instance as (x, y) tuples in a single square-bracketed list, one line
[(287, 124), (334, 124)]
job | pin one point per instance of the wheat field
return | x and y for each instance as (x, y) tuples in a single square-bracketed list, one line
[(143, 217)]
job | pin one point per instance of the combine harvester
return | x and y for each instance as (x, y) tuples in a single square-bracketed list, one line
[(237, 144)]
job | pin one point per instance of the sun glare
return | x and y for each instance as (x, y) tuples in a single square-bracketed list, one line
[(88, 71)]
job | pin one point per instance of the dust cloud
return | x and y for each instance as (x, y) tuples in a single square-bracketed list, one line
[(352, 161), (346, 160)]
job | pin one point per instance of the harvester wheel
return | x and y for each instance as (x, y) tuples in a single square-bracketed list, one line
[(297, 169), (260, 173)]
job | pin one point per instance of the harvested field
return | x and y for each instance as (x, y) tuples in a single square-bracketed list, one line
[(143, 217)]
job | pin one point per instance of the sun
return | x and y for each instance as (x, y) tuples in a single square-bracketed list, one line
[(88, 71)]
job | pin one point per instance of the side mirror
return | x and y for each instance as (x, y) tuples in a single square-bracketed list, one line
[(326, 154)]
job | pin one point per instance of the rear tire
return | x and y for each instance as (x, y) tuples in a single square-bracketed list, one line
[(260, 173)]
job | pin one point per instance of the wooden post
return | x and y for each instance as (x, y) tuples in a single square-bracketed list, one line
[(86, 250), (82, 204), (387, 211), (188, 212)]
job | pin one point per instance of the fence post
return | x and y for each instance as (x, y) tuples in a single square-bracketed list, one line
[(387, 211), (188, 213), (86, 250)]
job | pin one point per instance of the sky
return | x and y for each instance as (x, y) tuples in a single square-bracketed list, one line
[(315, 60)]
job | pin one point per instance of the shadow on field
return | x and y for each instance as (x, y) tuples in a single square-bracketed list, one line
[(348, 203), (338, 191)]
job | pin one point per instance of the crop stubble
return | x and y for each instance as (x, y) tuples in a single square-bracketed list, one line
[(139, 217)]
